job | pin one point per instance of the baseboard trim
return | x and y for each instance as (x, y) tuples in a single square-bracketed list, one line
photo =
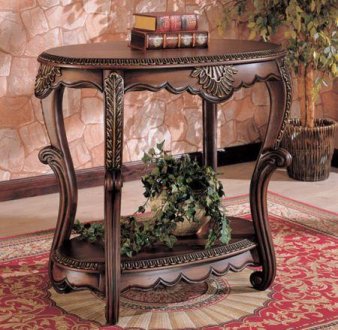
[(92, 177), (335, 158), (47, 184)]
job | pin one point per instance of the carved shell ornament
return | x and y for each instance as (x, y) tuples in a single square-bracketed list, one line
[(45, 78), (216, 80)]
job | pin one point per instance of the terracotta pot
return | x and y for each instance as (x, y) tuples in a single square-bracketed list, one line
[(311, 149)]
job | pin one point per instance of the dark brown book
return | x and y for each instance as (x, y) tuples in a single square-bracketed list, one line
[(165, 22), (163, 40)]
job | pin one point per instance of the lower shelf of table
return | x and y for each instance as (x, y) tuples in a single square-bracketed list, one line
[(82, 264)]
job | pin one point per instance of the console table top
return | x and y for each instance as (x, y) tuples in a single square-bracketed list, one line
[(119, 55)]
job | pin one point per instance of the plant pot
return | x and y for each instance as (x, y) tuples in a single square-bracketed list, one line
[(189, 228), (311, 149), (186, 227)]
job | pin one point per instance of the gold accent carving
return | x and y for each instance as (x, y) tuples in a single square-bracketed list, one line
[(114, 92), (286, 79), (61, 259), (44, 79), (216, 80)]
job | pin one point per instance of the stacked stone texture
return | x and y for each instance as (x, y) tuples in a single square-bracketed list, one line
[(28, 27)]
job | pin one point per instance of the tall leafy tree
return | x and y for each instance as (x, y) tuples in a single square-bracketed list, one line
[(311, 37)]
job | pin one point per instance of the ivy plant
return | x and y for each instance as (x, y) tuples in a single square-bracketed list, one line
[(183, 187)]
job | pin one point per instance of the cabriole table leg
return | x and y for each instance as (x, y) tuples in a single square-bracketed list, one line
[(58, 157), (271, 157)]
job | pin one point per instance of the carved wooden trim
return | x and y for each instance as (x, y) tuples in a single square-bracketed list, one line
[(144, 62), (129, 265), (51, 156), (273, 159), (114, 93), (286, 79), (44, 79), (234, 248), (216, 80), (181, 275), (61, 259), (194, 89), (257, 79)]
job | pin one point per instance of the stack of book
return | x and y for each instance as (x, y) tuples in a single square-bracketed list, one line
[(167, 30)]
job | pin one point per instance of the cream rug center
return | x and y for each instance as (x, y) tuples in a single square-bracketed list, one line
[(215, 300)]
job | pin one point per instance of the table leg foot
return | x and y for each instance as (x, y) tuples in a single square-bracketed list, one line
[(61, 287), (266, 165), (257, 280)]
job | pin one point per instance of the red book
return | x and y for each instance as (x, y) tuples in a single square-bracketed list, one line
[(165, 22)]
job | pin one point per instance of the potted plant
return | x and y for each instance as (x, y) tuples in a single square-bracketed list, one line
[(311, 39), (185, 199)]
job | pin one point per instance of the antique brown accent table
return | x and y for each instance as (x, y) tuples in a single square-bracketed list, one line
[(114, 69)]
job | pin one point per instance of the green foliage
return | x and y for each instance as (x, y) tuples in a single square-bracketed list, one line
[(311, 34), (135, 236), (266, 17), (231, 9), (183, 187), (90, 232), (310, 30)]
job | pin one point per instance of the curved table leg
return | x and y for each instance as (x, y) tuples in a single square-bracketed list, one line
[(271, 157), (114, 93), (58, 157)]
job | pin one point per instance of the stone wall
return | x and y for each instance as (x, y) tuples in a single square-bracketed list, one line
[(27, 27)]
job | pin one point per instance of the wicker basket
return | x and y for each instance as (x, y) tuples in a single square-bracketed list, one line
[(311, 149)]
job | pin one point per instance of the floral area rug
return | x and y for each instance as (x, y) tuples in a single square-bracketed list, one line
[(303, 296)]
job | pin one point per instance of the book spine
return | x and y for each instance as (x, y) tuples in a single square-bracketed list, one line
[(162, 24), (198, 39), (185, 22), (175, 23), (189, 22)]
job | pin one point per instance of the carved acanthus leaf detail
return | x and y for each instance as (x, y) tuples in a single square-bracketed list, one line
[(114, 92), (216, 80), (45, 78)]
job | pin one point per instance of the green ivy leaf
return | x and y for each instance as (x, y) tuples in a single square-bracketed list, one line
[(141, 209), (160, 145)]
